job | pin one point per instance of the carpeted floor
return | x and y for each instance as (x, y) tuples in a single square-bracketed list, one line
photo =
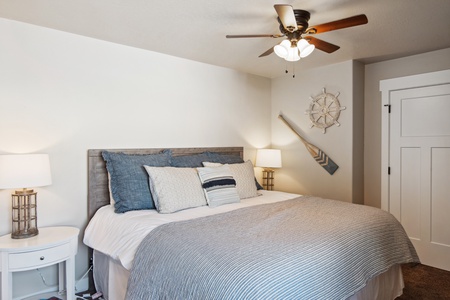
[(425, 283)]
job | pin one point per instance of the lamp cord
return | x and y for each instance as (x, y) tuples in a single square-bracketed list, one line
[(43, 278), (61, 292), (84, 275)]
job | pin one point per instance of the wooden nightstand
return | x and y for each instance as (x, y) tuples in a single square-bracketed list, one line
[(53, 245)]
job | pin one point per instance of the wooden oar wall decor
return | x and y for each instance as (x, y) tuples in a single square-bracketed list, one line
[(326, 162)]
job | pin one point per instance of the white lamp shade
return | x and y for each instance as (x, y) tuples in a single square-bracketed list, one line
[(24, 171), (305, 48), (268, 158)]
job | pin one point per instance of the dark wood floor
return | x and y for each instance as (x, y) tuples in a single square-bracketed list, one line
[(425, 283)]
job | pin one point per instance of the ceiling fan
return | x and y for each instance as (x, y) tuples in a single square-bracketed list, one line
[(294, 24)]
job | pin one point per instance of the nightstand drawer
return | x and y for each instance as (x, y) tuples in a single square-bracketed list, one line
[(35, 259)]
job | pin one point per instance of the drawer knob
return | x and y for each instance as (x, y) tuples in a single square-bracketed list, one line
[(42, 258)]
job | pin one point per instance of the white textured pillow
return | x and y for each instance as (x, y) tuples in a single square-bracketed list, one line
[(244, 175), (219, 185), (111, 198), (175, 189)]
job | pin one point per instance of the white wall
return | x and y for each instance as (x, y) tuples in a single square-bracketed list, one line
[(411, 65), (63, 94), (300, 172)]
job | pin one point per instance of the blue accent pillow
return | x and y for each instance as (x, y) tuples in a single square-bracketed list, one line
[(258, 186), (129, 181), (189, 161), (224, 158)]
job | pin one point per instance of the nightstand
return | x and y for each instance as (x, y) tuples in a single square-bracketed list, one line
[(53, 245)]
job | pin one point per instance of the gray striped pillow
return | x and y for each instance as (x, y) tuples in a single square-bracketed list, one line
[(219, 185)]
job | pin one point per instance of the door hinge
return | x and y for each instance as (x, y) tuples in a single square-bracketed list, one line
[(389, 170), (389, 107)]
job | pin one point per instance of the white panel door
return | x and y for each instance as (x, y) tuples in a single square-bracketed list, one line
[(419, 161)]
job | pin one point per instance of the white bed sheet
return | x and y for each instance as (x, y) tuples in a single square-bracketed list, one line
[(119, 235)]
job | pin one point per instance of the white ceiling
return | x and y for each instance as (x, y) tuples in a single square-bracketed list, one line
[(196, 29)]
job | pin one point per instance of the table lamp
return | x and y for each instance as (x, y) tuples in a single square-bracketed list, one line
[(268, 159), (24, 171)]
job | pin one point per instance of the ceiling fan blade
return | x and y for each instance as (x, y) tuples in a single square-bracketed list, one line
[(268, 52), (322, 45), (287, 17), (236, 36), (339, 24)]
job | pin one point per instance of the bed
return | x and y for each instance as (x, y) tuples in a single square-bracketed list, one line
[(236, 243)]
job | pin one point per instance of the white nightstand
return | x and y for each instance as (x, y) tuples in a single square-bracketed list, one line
[(53, 245)]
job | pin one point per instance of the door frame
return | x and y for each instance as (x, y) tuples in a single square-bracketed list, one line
[(386, 87)]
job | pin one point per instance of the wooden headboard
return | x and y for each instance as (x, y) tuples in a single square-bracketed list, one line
[(98, 192)]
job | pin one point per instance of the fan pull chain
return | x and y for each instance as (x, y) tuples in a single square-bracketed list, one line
[(293, 69)]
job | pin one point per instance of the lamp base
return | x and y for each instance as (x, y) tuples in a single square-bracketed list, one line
[(24, 214), (268, 176), (23, 234)]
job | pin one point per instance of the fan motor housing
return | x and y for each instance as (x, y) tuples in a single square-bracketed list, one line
[(302, 17)]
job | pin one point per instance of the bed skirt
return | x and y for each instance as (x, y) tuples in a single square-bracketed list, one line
[(111, 278)]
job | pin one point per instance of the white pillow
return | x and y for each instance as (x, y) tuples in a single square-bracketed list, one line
[(175, 189), (219, 185), (244, 175)]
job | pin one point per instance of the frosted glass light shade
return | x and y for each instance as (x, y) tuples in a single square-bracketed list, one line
[(24, 171), (282, 49), (293, 54), (268, 158), (305, 48)]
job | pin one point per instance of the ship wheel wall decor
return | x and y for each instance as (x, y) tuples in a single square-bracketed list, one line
[(324, 110)]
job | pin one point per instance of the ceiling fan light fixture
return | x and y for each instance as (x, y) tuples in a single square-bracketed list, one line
[(293, 54), (293, 24), (305, 48), (282, 49)]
